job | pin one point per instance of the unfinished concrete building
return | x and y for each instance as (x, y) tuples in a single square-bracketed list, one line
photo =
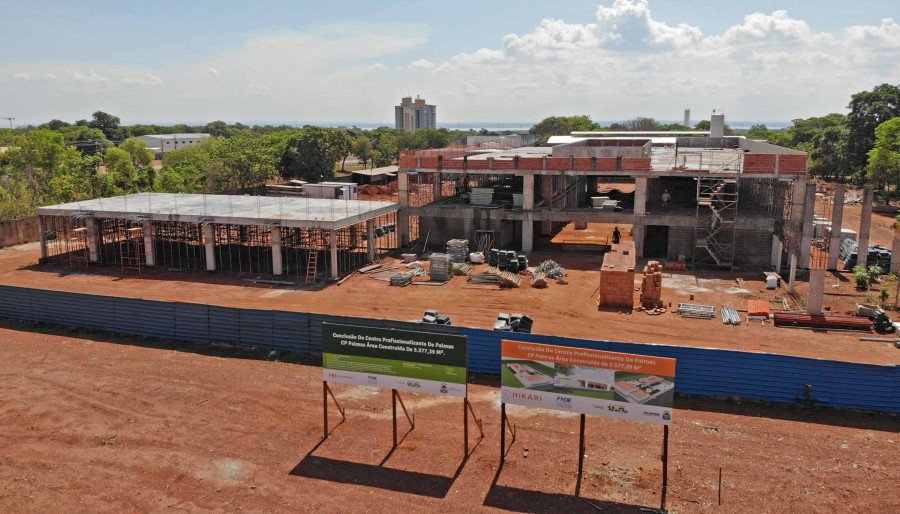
[(720, 201), (313, 238)]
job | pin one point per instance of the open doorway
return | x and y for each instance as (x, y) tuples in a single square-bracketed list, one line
[(656, 242)]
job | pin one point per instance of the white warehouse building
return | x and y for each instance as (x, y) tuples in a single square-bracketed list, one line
[(160, 144)]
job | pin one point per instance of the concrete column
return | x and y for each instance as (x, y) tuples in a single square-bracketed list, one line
[(816, 291), (43, 231), (547, 194), (209, 244), (865, 225), (777, 249), (809, 211), (637, 232), (149, 243), (528, 192), (370, 239), (334, 254), (528, 233), (895, 253), (468, 222), (640, 195), (277, 267), (792, 274), (92, 237), (837, 216), (403, 215), (437, 186)]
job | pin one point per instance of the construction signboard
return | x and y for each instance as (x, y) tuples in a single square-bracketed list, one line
[(600, 383), (421, 362)]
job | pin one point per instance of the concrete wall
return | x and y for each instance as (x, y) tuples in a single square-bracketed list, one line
[(753, 248), (681, 242), (21, 231)]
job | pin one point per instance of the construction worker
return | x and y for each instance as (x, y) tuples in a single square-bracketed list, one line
[(616, 236), (665, 198)]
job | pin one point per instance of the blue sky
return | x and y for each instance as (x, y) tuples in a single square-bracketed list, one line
[(498, 60)]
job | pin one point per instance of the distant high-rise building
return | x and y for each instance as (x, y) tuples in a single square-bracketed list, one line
[(412, 115)]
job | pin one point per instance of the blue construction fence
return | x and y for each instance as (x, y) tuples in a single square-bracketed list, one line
[(700, 371)]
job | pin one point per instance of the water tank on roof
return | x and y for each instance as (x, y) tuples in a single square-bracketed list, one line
[(717, 124)]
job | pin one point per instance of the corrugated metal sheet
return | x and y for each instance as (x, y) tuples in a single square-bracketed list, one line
[(701, 371)]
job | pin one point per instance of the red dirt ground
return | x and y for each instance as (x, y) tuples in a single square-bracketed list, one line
[(564, 310), (109, 424)]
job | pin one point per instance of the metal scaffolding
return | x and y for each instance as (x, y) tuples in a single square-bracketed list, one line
[(714, 232)]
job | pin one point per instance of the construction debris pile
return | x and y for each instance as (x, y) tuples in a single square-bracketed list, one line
[(679, 265), (515, 323), (462, 268), (651, 286), (551, 269), (439, 267), (432, 317), (458, 249), (404, 278), (617, 277), (492, 275)]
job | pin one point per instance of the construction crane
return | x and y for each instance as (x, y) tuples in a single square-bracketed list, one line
[(10, 120)]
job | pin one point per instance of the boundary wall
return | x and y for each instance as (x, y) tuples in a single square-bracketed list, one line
[(701, 371)]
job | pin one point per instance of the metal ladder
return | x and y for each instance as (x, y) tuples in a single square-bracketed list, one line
[(312, 264)]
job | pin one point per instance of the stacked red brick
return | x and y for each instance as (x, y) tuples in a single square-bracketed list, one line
[(617, 277), (651, 286)]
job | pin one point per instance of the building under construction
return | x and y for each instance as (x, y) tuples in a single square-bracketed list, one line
[(720, 201), (315, 239)]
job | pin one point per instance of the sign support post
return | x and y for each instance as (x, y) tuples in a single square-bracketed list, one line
[(325, 392), (504, 426), (665, 466), (467, 409), (581, 448), (395, 396)]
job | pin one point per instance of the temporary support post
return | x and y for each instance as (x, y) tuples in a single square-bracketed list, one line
[(334, 253), (546, 197), (209, 244), (92, 234), (370, 240), (277, 267), (665, 468), (149, 243), (837, 217), (395, 397), (467, 410), (504, 426), (326, 391), (43, 231), (865, 225)]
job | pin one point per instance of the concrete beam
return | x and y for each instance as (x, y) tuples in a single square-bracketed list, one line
[(816, 291), (370, 240), (92, 237), (334, 254), (837, 217), (277, 266), (149, 243), (209, 245), (865, 227)]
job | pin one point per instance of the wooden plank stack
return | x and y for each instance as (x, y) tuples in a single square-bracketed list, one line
[(802, 319), (651, 286), (617, 277)]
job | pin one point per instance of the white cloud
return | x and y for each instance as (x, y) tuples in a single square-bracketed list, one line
[(91, 77), (422, 64), (145, 79)]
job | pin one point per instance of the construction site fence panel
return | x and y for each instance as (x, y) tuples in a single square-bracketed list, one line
[(700, 371)]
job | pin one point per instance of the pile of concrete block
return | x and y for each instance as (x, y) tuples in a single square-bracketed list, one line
[(439, 267), (458, 249), (481, 196), (651, 286), (617, 277)]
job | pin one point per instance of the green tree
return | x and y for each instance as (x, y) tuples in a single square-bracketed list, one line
[(309, 155), (241, 162), (137, 149), (362, 148), (561, 125), (122, 170), (868, 109), (108, 124), (884, 159)]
